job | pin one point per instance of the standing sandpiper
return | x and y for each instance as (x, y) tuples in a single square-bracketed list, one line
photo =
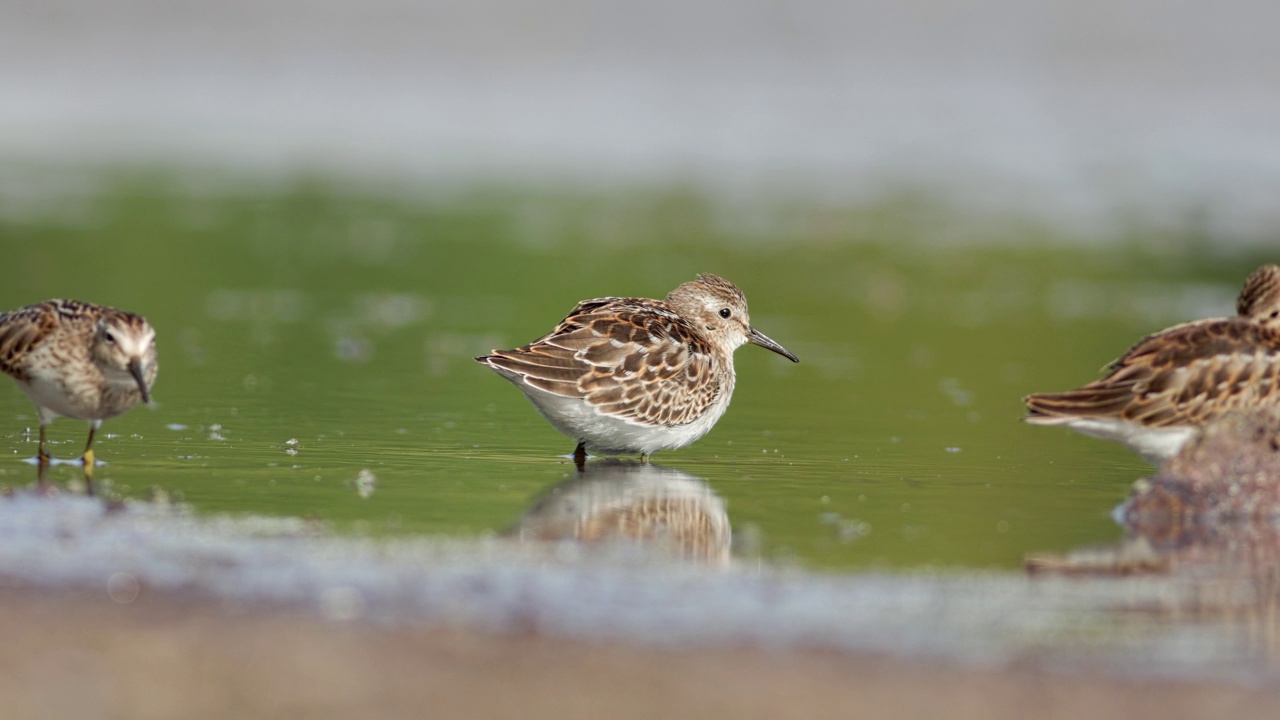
[(1160, 393), (78, 360), (633, 375)]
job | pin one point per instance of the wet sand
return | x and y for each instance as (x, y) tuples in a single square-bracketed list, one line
[(69, 653)]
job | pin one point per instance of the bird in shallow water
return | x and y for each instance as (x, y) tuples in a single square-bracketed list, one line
[(80, 360), (1163, 390), (634, 375)]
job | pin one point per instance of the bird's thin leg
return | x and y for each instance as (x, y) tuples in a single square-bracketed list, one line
[(88, 480), (42, 455), (580, 456), (87, 458), (42, 465), (42, 474)]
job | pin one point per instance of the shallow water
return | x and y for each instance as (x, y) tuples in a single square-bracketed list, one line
[(309, 334)]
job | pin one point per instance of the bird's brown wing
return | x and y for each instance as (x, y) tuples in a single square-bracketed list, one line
[(1188, 374), (21, 331), (631, 358)]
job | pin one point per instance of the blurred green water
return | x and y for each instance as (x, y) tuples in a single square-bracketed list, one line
[(310, 331)]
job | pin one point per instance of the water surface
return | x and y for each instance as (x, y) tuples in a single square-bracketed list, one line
[(312, 334)]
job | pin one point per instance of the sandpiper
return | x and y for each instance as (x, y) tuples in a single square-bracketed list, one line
[(80, 360), (1165, 388), (634, 375)]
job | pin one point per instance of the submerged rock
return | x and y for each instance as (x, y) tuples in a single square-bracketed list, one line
[(1211, 514), (1230, 473)]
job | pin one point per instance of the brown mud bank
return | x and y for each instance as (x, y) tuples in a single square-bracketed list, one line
[(78, 653)]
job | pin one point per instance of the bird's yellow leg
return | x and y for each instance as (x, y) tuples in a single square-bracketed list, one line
[(87, 458)]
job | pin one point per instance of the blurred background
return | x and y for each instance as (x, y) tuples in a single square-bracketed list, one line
[(1089, 116), (328, 208)]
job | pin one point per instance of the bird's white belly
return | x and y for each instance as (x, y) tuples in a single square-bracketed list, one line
[(1156, 445), (605, 434), (84, 396), (53, 399)]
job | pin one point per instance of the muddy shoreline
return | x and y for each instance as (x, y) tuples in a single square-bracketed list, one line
[(79, 653)]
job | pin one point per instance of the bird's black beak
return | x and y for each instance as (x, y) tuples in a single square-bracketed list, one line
[(135, 369), (755, 337)]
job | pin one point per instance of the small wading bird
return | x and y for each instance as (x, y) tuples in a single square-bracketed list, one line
[(80, 360), (633, 375), (1161, 392)]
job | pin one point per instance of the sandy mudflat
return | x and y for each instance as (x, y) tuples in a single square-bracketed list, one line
[(78, 654)]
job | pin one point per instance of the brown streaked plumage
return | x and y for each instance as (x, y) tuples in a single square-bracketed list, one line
[(80, 360), (1260, 298), (624, 375), (1158, 395)]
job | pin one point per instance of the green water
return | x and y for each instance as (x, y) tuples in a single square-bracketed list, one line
[(346, 321)]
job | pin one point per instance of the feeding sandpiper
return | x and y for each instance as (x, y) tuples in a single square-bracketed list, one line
[(1160, 393), (80, 360), (634, 375)]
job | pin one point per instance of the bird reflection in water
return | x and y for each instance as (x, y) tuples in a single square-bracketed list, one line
[(617, 504), (1208, 524)]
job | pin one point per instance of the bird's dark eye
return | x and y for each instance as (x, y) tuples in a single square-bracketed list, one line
[(725, 313), (110, 338)]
